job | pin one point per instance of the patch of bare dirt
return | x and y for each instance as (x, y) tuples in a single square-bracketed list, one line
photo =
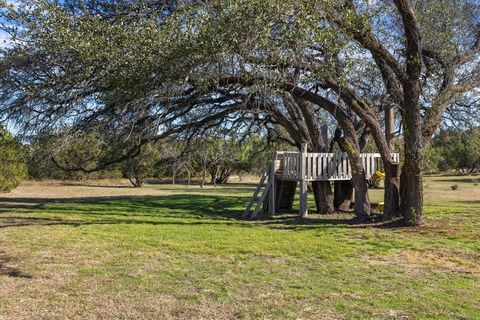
[(415, 261)]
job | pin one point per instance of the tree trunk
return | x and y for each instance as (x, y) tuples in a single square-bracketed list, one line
[(174, 176), (359, 181), (189, 176), (343, 195), (411, 190), (392, 191), (358, 184), (214, 174), (135, 182), (204, 175), (322, 191)]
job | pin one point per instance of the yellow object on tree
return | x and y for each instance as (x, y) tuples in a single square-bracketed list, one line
[(378, 175), (381, 205)]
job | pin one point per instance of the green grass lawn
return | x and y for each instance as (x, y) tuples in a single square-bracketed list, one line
[(175, 252)]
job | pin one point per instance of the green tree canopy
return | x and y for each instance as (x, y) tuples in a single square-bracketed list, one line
[(459, 150), (13, 168)]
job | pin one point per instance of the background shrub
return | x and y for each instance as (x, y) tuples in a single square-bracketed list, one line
[(13, 168)]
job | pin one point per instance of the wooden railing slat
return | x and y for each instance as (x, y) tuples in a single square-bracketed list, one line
[(327, 166)]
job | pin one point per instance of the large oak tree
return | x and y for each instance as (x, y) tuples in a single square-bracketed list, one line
[(145, 70)]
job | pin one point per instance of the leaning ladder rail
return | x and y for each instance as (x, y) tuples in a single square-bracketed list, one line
[(255, 199)]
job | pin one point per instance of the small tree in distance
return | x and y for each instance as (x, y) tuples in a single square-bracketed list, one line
[(459, 150), (13, 168), (138, 169), (49, 155)]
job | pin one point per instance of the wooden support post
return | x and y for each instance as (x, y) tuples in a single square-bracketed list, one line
[(273, 189), (324, 131), (389, 126), (303, 183)]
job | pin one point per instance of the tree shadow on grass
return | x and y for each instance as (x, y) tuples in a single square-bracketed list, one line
[(471, 202), (344, 220), (178, 209), (181, 209), (467, 179), (181, 205), (168, 186), (73, 184), (18, 221), (7, 270)]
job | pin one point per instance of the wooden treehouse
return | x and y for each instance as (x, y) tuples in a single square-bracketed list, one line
[(278, 183)]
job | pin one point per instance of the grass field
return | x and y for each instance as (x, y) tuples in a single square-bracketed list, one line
[(110, 251)]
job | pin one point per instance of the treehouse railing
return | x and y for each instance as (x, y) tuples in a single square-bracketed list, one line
[(324, 166)]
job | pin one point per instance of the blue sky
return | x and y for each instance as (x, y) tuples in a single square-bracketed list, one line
[(5, 37)]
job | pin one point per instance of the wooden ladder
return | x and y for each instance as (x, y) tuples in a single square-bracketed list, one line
[(256, 201)]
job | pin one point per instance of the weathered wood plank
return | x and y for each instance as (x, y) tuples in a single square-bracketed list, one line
[(303, 161)]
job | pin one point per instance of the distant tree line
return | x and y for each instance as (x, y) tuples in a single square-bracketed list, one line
[(454, 149), (213, 159), (13, 168)]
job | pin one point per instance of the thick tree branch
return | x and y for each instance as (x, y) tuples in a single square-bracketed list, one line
[(470, 54), (413, 38), (367, 40)]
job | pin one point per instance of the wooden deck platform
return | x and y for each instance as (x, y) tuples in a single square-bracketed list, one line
[(289, 169)]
